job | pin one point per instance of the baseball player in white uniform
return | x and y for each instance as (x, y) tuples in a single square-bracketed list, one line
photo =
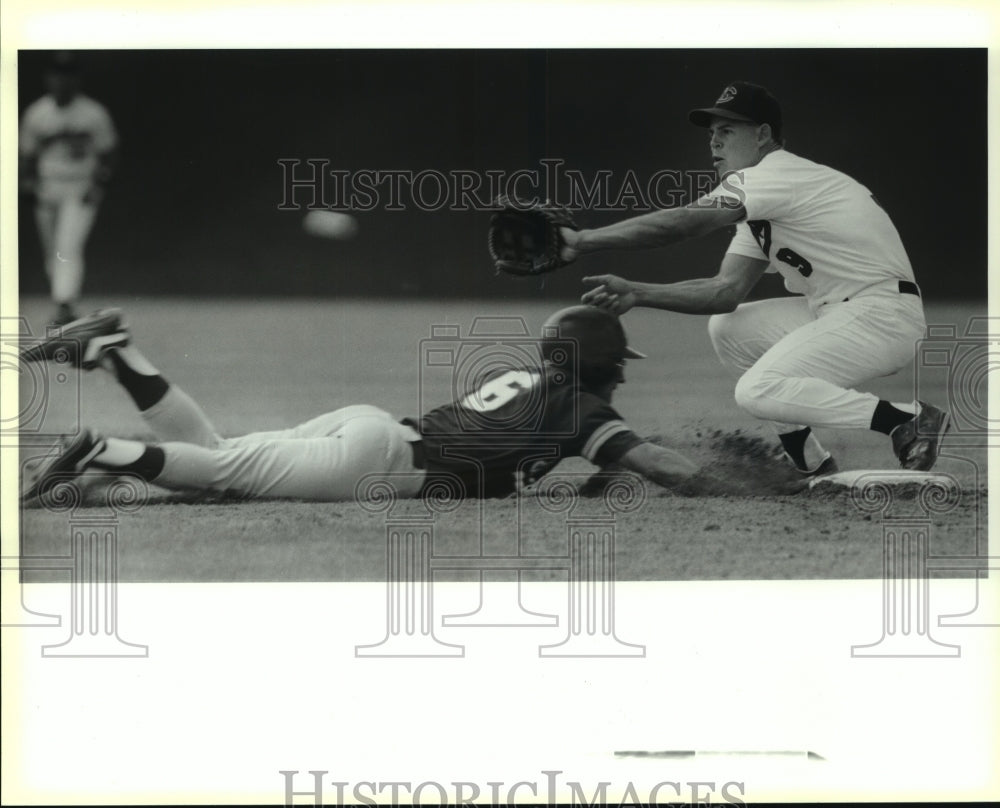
[(858, 313), (67, 147), (516, 426)]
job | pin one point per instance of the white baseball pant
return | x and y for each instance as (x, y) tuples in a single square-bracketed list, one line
[(64, 222), (797, 367), (323, 459)]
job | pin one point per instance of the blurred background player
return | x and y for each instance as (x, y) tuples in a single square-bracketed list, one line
[(67, 151), (857, 313), (518, 423)]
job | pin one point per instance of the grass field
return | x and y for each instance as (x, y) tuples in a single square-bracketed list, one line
[(256, 365)]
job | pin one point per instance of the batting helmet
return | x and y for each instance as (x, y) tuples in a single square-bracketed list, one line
[(597, 336)]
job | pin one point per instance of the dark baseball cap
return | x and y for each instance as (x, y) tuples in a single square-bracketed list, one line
[(742, 101)]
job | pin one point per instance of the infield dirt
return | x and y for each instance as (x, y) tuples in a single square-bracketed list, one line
[(256, 365)]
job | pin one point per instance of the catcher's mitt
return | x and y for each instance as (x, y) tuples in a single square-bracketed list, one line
[(524, 238)]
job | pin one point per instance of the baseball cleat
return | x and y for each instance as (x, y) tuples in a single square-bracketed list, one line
[(916, 443), (828, 466), (72, 461), (82, 342), (64, 314)]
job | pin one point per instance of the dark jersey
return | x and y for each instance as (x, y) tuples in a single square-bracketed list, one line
[(515, 418)]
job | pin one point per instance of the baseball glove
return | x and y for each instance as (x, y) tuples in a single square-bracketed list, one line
[(524, 238)]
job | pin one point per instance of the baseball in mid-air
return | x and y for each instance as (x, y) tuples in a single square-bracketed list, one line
[(330, 224)]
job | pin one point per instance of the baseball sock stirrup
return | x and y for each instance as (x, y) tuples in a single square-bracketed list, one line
[(887, 417), (794, 444), (144, 390)]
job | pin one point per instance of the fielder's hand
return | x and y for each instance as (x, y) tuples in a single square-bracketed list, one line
[(570, 238), (615, 294)]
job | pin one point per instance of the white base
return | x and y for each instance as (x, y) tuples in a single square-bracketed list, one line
[(886, 476)]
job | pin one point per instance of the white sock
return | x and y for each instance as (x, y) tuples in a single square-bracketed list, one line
[(119, 452), (131, 356)]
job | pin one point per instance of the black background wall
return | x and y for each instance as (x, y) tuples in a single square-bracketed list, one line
[(195, 206)]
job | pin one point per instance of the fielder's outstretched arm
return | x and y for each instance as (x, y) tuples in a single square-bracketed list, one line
[(656, 229), (737, 276)]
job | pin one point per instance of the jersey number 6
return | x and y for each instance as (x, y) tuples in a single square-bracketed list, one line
[(497, 392)]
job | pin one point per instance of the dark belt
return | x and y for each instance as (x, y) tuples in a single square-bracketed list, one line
[(905, 288), (419, 461), (417, 447)]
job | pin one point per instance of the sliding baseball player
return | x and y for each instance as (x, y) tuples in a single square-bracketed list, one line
[(515, 426)]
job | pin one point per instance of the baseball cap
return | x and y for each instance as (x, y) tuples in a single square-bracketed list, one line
[(598, 333), (742, 101)]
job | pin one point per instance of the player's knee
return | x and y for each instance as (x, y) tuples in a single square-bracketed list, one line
[(755, 393), (719, 328), (725, 334)]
